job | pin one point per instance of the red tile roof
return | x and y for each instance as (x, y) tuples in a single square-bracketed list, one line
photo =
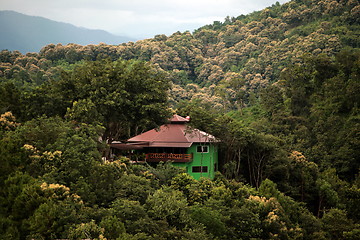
[(179, 119), (175, 134)]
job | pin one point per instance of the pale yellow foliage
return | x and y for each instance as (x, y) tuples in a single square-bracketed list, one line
[(7, 121)]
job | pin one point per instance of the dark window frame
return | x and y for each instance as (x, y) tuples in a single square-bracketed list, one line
[(199, 169)]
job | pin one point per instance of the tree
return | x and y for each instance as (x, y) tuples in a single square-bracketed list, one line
[(335, 223), (166, 204), (331, 190), (134, 187), (114, 228), (232, 90), (127, 97), (243, 223), (89, 230), (55, 217), (352, 196), (210, 218), (10, 100)]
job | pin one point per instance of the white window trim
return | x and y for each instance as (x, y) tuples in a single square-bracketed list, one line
[(202, 149)]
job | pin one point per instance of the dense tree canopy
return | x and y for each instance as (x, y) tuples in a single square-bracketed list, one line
[(254, 48), (279, 88)]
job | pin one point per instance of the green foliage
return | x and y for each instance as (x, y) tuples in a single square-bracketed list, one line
[(114, 228), (255, 47), (37, 209), (133, 187), (84, 111), (60, 150), (112, 92), (98, 92), (182, 182), (330, 108), (353, 233), (243, 223), (87, 230), (335, 223), (128, 210), (210, 218), (279, 89), (53, 219), (352, 198), (20, 196), (166, 203), (10, 97), (101, 187), (165, 172)]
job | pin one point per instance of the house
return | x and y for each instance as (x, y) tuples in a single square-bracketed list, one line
[(191, 149)]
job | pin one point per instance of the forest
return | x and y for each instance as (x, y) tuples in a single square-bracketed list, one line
[(280, 89)]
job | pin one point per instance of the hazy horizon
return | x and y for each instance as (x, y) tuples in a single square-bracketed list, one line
[(138, 18)]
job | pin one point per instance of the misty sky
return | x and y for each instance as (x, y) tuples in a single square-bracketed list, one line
[(137, 18)]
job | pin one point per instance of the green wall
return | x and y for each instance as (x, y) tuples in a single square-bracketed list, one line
[(207, 159)]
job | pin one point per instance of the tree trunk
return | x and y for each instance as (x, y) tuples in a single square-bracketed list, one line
[(239, 161), (320, 206)]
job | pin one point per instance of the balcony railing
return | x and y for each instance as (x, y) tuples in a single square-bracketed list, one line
[(164, 157)]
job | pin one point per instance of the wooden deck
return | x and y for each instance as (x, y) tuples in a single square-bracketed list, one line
[(164, 157)]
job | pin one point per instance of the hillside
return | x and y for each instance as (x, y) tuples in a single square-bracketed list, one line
[(278, 88), (29, 34), (254, 48)]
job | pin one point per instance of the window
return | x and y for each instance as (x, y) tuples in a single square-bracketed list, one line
[(202, 149), (196, 169)]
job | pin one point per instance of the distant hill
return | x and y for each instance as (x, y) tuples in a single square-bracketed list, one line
[(29, 34), (220, 62)]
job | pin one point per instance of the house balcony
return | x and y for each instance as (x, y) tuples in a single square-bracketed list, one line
[(164, 157)]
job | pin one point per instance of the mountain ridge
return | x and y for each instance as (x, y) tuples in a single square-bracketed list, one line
[(27, 33)]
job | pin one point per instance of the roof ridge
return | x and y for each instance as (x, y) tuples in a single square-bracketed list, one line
[(178, 119)]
